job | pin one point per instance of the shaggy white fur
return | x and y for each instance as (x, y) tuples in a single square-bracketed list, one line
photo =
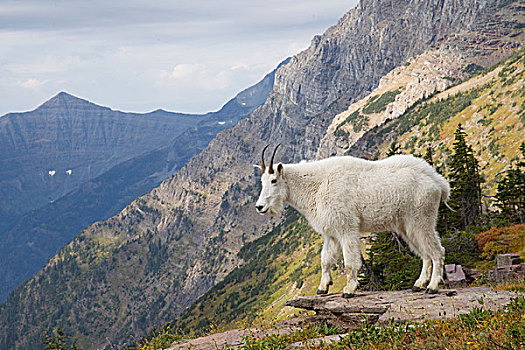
[(344, 196)]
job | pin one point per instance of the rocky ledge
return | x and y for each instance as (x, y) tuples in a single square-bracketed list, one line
[(401, 306)]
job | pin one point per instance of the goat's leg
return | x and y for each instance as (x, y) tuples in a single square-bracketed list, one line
[(438, 260), (352, 257), (424, 277), (424, 241), (328, 258), (410, 237)]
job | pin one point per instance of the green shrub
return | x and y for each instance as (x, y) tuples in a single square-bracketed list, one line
[(378, 104), (57, 340), (460, 248), (358, 122)]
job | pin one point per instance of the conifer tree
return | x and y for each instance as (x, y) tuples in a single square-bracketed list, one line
[(394, 149), (465, 182), (389, 265), (57, 340), (511, 191), (429, 156)]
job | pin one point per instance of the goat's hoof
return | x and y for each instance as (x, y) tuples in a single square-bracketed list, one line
[(319, 292), (348, 295), (431, 291), (416, 289)]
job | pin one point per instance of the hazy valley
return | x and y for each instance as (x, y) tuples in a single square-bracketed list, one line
[(70, 163)]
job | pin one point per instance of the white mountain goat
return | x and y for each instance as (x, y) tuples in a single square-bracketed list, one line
[(344, 196)]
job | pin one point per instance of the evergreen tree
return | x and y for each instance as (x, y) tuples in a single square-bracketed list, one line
[(394, 149), (57, 340), (465, 182), (429, 156), (511, 192), (390, 265)]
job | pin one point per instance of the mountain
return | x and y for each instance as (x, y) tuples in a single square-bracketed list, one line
[(279, 266), (122, 277), (36, 236), (284, 263), (67, 141), (491, 108)]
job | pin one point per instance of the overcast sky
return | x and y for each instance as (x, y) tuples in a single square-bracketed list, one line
[(178, 55)]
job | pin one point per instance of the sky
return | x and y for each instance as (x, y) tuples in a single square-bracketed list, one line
[(179, 55)]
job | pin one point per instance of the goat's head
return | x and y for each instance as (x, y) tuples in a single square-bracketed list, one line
[(274, 190)]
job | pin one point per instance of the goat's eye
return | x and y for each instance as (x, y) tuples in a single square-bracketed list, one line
[(274, 181)]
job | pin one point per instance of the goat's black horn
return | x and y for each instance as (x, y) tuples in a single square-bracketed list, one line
[(270, 169), (262, 158)]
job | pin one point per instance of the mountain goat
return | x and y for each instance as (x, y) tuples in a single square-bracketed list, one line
[(342, 197)]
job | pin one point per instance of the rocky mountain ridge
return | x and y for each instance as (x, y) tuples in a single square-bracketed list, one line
[(171, 245), (419, 78), (66, 141), (491, 111), (28, 241)]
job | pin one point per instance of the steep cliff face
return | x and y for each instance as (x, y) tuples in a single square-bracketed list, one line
[(419, 78), (147, 264), (496, 32)]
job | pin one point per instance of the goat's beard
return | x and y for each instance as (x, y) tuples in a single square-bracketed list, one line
[(276, 208)]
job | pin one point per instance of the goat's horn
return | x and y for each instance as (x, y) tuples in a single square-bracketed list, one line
[(270, 169), (262, 158)]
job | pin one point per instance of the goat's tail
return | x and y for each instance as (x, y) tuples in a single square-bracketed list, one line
[(445, 190)]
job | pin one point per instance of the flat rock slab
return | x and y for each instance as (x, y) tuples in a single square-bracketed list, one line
[(406, 305), (229, 339), (327, 339)]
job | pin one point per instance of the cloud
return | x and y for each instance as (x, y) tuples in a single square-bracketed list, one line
[(186, 71), (240, 66), (138, 55), (32, 83), (44, 64), (200, 76)]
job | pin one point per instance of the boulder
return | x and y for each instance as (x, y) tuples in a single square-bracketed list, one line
[(455, 276), (507, 260), (509, 268)]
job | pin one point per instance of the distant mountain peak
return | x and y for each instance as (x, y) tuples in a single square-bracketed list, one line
[(64, 99)]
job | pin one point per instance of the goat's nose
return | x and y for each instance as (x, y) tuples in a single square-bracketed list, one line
[(259, 207)]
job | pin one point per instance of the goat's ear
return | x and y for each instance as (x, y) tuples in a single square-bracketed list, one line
[(280, 168), (257, 167)]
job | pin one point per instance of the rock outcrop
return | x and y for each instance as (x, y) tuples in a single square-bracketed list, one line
[(364, 308), (400, 306), (419, 78), (509, 268)]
